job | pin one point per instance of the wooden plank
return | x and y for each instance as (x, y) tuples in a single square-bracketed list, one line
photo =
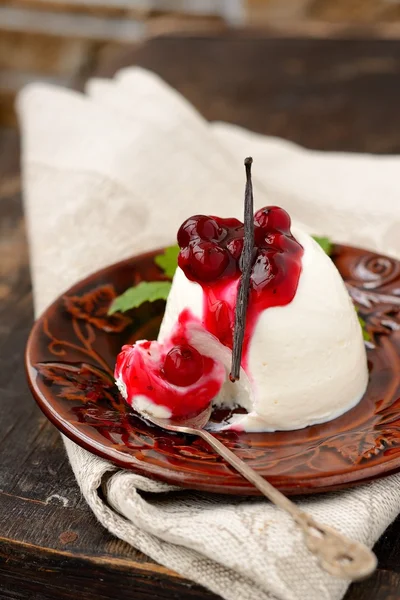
[(102, 8), (25, 58), (339, 11), (233, 9), (383, 585), (324, 94), (70, 25), (40, 575), (44, 54)]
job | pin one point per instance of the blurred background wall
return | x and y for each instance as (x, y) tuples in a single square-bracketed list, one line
[(62, 41)]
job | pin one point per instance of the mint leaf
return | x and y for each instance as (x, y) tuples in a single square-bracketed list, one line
[(145, 291), (366, 335), (168, 260), (325, 244)]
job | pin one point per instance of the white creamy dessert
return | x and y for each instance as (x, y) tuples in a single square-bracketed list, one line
[(304, 359), (306, 362)]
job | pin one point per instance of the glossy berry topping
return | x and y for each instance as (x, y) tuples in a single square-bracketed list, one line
[(235, 247), (211, 250), (183, 365), (272, 218), (264, 270), (188, 230), (199, 227), (210, 247), (208, 261), (173, 375)]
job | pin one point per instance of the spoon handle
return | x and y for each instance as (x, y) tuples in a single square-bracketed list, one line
[(337, 554)]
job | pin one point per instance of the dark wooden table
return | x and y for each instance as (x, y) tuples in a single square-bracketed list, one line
[(328, 94)]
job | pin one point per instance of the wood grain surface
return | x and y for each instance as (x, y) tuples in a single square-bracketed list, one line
[(322, 93)]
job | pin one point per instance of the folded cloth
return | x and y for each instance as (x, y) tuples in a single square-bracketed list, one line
[(114, 172)]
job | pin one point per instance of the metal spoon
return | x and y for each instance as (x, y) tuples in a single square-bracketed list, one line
[(337, 554)]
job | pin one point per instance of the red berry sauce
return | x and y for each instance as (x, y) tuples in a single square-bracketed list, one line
[(173, 375), (210, 254)]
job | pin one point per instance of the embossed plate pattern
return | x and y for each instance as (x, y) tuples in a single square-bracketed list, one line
[(70, 358)]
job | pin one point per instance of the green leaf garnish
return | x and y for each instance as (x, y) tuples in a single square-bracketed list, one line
[(325, 244), (168, 260), (366, 335), (149, 291), (145, 291)]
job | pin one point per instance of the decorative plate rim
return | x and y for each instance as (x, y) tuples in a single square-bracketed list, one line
[(295, 485)]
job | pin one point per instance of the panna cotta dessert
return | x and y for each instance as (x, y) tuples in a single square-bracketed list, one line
[(303, 358)]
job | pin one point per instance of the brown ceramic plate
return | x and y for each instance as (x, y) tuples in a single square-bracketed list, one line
[(70, 358)]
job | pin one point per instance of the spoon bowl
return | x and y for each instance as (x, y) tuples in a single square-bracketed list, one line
[(182, 425)]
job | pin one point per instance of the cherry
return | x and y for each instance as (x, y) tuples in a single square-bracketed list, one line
[(272, 218), (208, 261), (272, 239), (208, 229), (269, 240), (233, 224), (184, 257), (235, 247), (183, 365), (211, 247), (211, 255), (188, 230), (264, 270), (259, 236), (199, 227)]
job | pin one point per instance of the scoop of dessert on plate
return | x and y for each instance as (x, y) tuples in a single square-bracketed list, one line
[(303, 356)]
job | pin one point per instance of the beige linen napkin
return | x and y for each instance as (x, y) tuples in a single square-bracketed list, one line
[(114, 172)]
